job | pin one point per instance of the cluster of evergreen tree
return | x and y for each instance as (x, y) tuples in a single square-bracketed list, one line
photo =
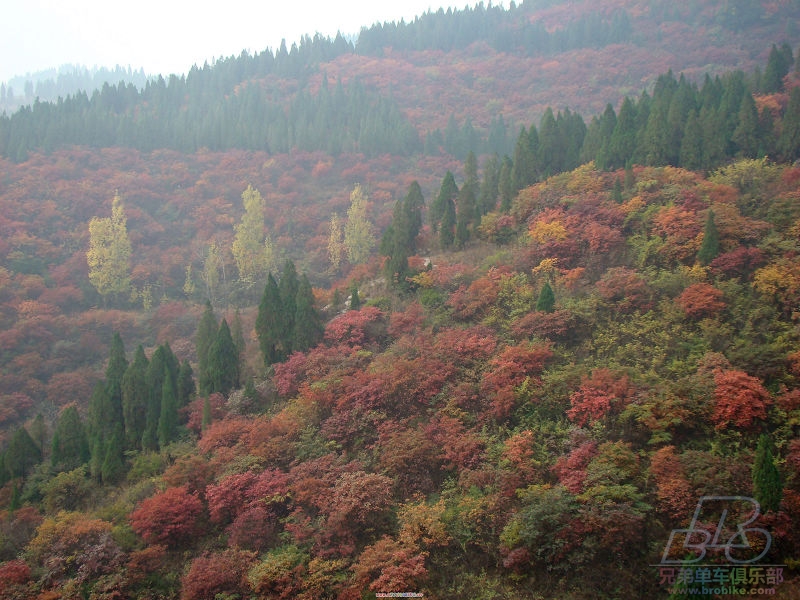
[(165, 114), (399, 241), (505, 30), (287, 319), (136, 408)]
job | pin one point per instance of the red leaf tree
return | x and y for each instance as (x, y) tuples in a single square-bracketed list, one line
[(170, 517), (740, 400)]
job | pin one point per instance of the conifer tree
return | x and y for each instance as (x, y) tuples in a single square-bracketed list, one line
[(70, 447), (355, 300), (206, 333), (287, 308), (268, 322), (709, 248), (448, 192), (505, 185), (767, 485), (547, 300), (38, 431), (168, 415), (490, 185), (223, 361), (789, 140), (185, 385), (308, 328), (163, 364), (134, 399), (113, 467), (22, 454)]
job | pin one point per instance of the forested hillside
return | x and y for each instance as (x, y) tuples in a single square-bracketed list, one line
[(476, 306)]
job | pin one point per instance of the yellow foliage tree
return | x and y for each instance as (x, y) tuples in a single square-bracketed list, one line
[(252, 249), (358, 238), (109, 252), (335, 243)]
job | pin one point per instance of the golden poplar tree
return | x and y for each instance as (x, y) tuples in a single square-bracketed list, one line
[(335, 243), (358, 238), (252, 249), (109, 252)]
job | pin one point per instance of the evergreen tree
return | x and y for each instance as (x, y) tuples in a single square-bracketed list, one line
[(623, 139), (547, 299), (186, 388), (113, 467), (448, 192), (22, 454), (70, 447), (490, 185), (506, 185), (268, 322), (308, 328), (237, 333), (709, 248), (287, 288), (777, 68), (38, 431), (524, 171), (447, 230), (789, 141), (162, 365), (767, 485), (223, 362), (691, 152), (355, 300), (168, 414), (134, 399), (745, 136), (206, 332)]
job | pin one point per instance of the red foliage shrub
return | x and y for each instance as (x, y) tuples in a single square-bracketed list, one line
[(170, 517), (673, 490), (356, 328), (13, 572), (224, 434), (740, 262), (571, 469), (289, 374), (739, 400), (626, 289), (600, 394), (508, 370), (701, 300), (219, 573)]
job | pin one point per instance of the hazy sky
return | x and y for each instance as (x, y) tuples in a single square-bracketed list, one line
[(169, 36)]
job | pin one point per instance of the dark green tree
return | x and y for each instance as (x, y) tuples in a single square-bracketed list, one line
[(206, 333), (134, 399), (745, 136), (709, 248), (287, 287), (168, 415), (38, 431), (163, 364), (547, 299), (778, 65), (308, 328), (268, 322), (767, 485), (448, 192), (185, 384), (506, 185), (623, 139), (22, 454), (69, 448), (113, 466), (355, 300), (789, 140), (223, 361)]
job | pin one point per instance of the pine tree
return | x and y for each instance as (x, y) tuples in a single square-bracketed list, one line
[(237, 333), (223, 361), (268, 322), (308, 328), (206, 332), (163, 364), (185, 385), (355, 300), (22, 454), (113, 467), (789, 140), (168, 414), (287, 288), (448, 192), (70, 447), (134, 399), (767, 486), (505, 185), (547, 300), (745, 136), (709, 248)]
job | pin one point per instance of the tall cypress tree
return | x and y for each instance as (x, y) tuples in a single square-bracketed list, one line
[(547, 299), (268, 322), (789, 141), (168, 414), (709, 248), (223, 361), (490, 185), (134, 399), (157, 370), (22, 454), (185, 384), (206, 333), (69, 448), (448, 192), (287, 287), (308, 327), (767, 485)]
